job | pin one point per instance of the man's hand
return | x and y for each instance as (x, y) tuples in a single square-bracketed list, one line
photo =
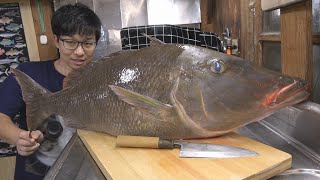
[(28, 142)]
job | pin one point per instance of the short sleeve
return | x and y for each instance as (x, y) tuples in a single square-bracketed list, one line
[(11, 101)]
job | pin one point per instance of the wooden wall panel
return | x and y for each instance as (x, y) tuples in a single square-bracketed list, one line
[(32, 28), (216, 15), (246, 40), (238, 16), (46, 51), (296, 40), (7, 167), (258, 31)]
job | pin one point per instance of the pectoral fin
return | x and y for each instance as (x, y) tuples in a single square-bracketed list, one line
[(142, 102)]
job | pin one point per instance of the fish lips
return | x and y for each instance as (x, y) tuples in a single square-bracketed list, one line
[(287, 95)]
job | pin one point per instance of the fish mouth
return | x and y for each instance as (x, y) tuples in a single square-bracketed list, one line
[(287, 95)]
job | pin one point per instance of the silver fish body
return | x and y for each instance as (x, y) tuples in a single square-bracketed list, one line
[(8, 60), (20, 45), (14, 27), (14, 52), (8, 35), (168, 91), (6, 42)]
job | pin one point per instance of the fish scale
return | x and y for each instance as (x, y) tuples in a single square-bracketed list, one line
[(144, 82), (116, 102), (168, 91)]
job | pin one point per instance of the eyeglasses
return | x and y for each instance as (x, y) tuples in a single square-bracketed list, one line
[(72, 45)]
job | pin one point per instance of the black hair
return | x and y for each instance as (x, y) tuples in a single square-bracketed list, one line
[(79, 19)]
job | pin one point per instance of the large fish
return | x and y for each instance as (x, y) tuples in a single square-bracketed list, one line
[(171, 91)]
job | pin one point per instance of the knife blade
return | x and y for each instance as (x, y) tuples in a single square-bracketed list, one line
[(187, 149)]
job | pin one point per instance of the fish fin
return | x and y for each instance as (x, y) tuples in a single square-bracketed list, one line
[(153, 40), (142, 102), (35, 97), (119, 53)]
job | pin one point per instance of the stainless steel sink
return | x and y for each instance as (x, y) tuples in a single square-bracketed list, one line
[(298, 174), (295, 130)]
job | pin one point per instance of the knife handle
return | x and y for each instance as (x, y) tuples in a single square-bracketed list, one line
[(144, 142)]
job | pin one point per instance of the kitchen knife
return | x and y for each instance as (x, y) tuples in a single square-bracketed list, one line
[(187, 149)]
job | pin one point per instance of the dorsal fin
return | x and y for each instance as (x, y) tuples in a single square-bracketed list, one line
[(153, 41), (35, 97)]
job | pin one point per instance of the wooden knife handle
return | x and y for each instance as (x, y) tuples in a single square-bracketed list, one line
[(143, 142)]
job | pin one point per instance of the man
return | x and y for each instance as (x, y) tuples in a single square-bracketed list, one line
[(76, 31)]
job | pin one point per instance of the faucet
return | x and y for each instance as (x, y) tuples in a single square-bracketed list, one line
[(227, 41)]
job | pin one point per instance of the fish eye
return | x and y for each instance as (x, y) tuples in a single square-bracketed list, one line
[(217, 66)]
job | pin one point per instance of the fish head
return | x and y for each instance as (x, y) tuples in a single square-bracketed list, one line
[(219, 92)]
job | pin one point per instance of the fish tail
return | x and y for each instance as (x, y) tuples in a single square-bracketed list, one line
[(36, 99)]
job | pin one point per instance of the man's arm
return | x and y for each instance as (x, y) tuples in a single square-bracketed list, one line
[(9, 132)]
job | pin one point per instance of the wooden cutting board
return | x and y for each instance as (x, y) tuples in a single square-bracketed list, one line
[(137, 163)]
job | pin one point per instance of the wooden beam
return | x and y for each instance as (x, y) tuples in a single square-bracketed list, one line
[(258, 31), (316, 38), (246, 42), (205, 19), (296, 40), (270, 36), (46, 51)]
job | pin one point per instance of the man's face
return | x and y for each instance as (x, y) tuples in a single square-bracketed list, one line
[(76, 51)]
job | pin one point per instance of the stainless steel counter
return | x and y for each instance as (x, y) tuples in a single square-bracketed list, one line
[(295, 130), (75, 162)]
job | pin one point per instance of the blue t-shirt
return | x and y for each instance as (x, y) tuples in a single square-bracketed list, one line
[(11, 101)]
